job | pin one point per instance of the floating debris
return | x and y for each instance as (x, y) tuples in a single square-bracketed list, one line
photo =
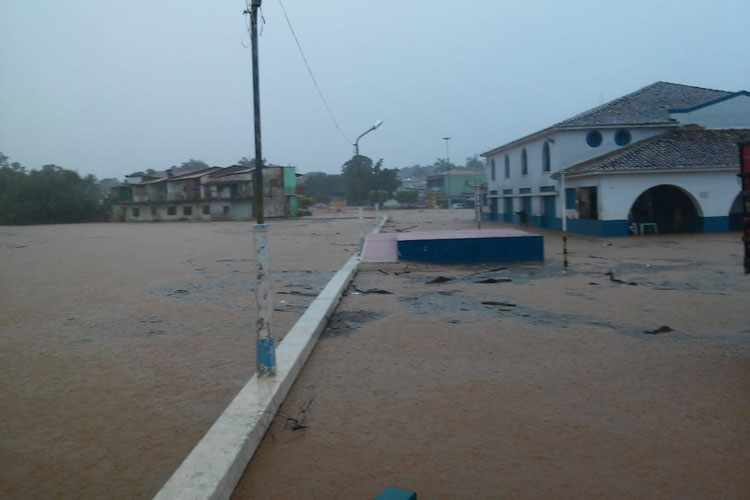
[(294, 292), (439, 279), (494, 303), (661, 329), (495, 280), (374, 290), (618, 280)]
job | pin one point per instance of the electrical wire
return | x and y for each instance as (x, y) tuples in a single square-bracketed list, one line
[(312, 76)]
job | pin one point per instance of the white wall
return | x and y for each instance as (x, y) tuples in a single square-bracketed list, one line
[(714, 192), (567, 148), (731, 113), (571, 146), (176, 191), (535, 177)]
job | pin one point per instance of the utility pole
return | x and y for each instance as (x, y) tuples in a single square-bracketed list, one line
[(447, 150), (564, 215), (265, 350)]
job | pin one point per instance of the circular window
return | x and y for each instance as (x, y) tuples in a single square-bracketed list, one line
[(594, 138), (622, 137)]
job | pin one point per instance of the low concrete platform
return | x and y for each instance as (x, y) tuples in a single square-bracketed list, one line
[(454, 247)]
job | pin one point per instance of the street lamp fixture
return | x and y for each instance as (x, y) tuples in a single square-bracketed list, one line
[(356, 143)]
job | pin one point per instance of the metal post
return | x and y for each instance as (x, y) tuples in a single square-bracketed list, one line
[(361, 228), (447, 150), (477, 205), (564, 215), (745, 200), (265, 350)]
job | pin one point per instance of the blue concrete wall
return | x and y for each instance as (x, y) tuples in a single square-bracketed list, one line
[(715, 224), (605, 228), (473, 250), (613, 228)]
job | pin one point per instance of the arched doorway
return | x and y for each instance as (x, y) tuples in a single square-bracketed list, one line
[(669, 207), (736, 214)]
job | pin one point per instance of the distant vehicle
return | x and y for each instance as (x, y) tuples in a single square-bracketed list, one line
[(457, 205)]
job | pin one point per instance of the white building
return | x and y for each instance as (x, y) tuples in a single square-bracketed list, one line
[(663, 158)]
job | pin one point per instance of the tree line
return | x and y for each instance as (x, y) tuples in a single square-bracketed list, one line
[(48, 195), (55, 195), (362, 183)]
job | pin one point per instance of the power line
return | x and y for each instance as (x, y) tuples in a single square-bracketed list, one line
[(312, 76)]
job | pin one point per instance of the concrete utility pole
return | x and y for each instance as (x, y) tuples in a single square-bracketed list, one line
[(265, 349), (564, 216)]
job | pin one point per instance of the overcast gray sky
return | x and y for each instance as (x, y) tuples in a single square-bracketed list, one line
[(110, 87)]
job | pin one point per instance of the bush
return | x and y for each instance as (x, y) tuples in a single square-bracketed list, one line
[(407, 196)]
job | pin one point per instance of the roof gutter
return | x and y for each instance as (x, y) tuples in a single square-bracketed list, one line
[(590, 173)]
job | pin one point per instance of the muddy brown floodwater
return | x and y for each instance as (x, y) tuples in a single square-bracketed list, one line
[(519, 382), (120, 344)]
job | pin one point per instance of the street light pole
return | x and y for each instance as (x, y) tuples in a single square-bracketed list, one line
[(447, 150), (356, 143), (356, 154), (265, 350)]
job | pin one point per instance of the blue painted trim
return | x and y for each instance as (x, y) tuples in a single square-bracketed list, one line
[(715, 224), (473, 250), (598, 228), (265, 357), (391, 493), (711, 103)]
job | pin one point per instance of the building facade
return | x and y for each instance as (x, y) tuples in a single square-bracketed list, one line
[(210, 194), (446, 189), (661, 159)]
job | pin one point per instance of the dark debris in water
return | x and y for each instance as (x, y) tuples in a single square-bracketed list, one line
[(345, 323), (661, 329), (439, 279)]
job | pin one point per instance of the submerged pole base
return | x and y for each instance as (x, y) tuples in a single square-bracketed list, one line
[(265, 357), (265, 353)]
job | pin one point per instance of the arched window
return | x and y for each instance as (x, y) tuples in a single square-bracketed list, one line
[(524, 163), (545, 157), (492, 169), (507, 166)]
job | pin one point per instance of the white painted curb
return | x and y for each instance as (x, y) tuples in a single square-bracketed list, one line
[(216, 464)]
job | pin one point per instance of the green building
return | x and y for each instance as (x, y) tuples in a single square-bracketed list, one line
[(453, 188)]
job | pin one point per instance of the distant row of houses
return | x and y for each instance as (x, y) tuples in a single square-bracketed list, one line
[(214, 193), (664, 158)]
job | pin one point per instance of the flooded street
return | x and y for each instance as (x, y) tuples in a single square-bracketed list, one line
[(519, 382), (122, 343)]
